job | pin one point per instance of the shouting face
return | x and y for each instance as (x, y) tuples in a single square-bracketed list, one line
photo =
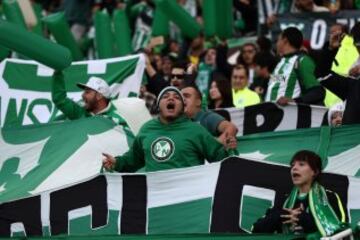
[(302, 174), (171, 106)]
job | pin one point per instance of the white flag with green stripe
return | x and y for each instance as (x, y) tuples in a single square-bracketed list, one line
[(25, 86)]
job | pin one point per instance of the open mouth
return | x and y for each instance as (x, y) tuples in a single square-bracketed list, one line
[(296, 175), (170, 106)]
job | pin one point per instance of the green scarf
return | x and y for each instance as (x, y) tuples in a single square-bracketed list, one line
[(325, 218)]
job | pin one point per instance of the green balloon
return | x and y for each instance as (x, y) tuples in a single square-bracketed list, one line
[(34, 46), (122, 33), (104, 42)]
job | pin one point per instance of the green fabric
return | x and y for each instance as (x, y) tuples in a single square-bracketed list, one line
[(59, 28), (209, 16), (209, 120), (13, 13), (306, 72), (34, 46), (104, 41), (4, 53), (325, 218), (225, 18), (122, 32), (159, 146), (160, 24), (203, 78), (188, 25), (38, 29)]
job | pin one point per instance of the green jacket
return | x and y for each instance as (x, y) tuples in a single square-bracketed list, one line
[(159, 146)]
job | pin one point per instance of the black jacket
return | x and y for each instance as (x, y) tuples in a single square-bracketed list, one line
[(348, 89), (272, 221)]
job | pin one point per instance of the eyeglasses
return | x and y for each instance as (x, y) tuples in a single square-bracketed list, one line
[(178, 76)]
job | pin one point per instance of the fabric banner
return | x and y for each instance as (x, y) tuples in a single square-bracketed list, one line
[(50, 181), (25, 86), (269, 117), (223, 197), (314, 26)]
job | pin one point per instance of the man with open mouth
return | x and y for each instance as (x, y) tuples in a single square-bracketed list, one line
[(170, 141)]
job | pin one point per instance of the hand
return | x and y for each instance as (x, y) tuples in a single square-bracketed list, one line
[(293, 215), (355, 71), (108, 162), (192, 68), (283, 101), (230, 143)]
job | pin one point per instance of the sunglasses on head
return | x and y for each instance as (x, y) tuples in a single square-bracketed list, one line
[(178, 76)]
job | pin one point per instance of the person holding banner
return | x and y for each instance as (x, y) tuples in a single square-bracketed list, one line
[(309, 207), (96, 98), (170, 141), (293, 78)]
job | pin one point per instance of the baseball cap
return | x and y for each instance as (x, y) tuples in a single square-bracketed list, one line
[(97, 84)]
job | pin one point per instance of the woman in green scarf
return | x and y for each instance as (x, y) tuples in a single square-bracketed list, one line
[(309, 207)]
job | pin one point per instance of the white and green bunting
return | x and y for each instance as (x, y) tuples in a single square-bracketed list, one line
[(25, 86)]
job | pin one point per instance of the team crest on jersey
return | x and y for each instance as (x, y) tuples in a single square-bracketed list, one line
[(162, 149)]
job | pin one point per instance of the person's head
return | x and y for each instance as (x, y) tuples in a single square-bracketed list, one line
[(177, 75), (305, 169), (304, 5), (290, 40), (170, 103), (210, 56), (265, 64), (355, 33), (239, 77), (336, 32), (192, 98), (264, 44), (167, 65), (96, 94), (336, 114), (220, 91), (247, 54)]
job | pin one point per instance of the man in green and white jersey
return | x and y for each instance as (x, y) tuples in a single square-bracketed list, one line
[(293, 78)]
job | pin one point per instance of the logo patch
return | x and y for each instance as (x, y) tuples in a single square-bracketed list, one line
[(162, 149)]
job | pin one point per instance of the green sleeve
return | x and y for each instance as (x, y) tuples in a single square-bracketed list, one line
[(306, 73), (212, 149), (132, 160), (71, 109)]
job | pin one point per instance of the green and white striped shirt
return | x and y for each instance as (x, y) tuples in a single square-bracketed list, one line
[(293, 75)]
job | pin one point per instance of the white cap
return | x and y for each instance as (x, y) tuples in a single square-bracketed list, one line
[(97, 84), (338, 107)]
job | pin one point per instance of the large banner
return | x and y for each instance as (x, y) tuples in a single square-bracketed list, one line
[(25, 86), (228, 196), (50, 183), (314, 26), (269, 117)]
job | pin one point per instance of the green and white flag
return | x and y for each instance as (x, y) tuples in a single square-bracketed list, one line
[(50, 181), (25, 86)]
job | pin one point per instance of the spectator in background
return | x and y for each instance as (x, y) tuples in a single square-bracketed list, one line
[(247, 58), (242, 95), (325, 57), (178, 76), (205, 70), (306, 204), (78, 14), (307, 6), (335, 114), (220, 95), (293, 78), (159, 77), (213, 122), (347, 88), (265, 65)]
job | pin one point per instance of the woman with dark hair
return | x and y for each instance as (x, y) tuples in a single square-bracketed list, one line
[(220, 95), (309, 207)]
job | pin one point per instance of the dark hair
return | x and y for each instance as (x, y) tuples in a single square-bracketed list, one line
[(355, 33), (266, 59), (294, 37), (311, 158), (224, 86), (241, 67), (195, 87), (240, 59), (264, 44)]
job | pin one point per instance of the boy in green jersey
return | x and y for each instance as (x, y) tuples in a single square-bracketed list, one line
[(170, 141)]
